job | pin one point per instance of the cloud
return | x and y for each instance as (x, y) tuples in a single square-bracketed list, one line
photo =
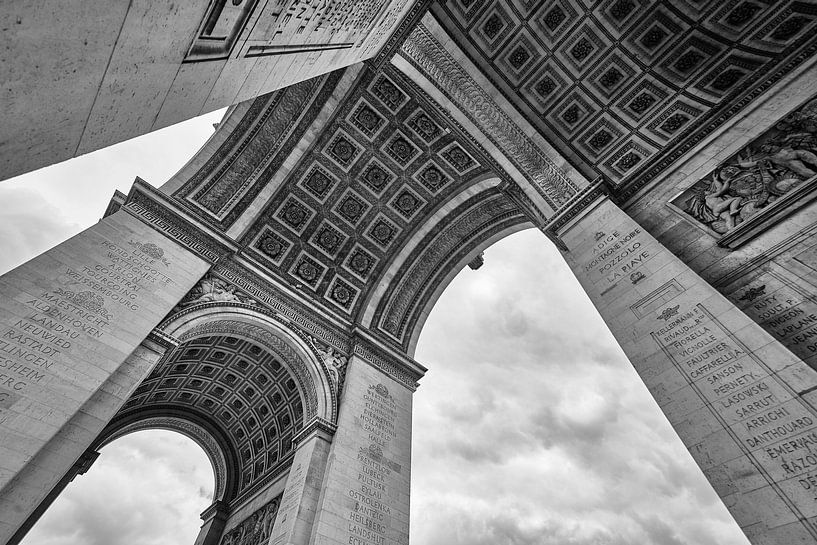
[(29, 225), (147, 488), (531, 427)]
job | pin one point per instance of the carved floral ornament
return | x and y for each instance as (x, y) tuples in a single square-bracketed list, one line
[(668, 313), (753, 293), (151, 250), (750, 182)]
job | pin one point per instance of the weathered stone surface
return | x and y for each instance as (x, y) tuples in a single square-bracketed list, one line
[(71, 317), (730, 390), (87, 76)]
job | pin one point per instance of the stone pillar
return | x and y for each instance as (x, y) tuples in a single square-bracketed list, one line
[(72, 323), (730, 390), (296, 514), (365, 497), (214, 518)]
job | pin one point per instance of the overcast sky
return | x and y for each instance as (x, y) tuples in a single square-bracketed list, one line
[(530, 428)]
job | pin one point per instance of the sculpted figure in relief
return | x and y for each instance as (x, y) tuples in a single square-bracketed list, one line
[(335, 361), (254, 530), (779, 160), (214, 290)]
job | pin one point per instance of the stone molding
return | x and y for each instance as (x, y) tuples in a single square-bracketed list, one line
[(477, 218), (217, 509), (144, 203), (395, 41), (657, 165), (423, 50), (233, 176), (574, 208), (315, 425), (288, 310), (168, 342), (389, 364)]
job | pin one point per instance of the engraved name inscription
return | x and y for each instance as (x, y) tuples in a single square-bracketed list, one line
[(370, 518), (60, 320), (774, 427)]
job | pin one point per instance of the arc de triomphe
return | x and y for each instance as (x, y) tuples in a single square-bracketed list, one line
[(266, 300)]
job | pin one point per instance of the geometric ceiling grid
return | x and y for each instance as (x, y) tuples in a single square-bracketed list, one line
[(385, 162), (238, 387), (610, 83)]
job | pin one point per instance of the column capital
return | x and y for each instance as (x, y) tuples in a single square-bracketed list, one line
[(581, 201), (316, 426), (399, 367), (217, 510)]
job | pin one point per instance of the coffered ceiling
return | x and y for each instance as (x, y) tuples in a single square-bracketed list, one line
[(613, 84)]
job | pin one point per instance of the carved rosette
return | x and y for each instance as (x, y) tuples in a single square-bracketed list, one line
[(423, 49)]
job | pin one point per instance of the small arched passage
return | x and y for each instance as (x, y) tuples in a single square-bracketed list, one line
[(145, 487), (241, 386)]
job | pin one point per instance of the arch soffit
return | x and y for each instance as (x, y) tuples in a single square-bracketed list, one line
[(297, 352), (398, 261), (434, 260)]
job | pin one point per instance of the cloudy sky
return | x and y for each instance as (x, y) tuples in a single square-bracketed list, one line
[(530, 428)]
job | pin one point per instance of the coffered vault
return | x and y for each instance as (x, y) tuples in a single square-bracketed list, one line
[(267, 299)]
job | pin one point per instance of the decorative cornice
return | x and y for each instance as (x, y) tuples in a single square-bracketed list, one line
[(389, 364), (218, 509), (316, 424), (150, 206), (116, 202), (410, 20), (257, 287), (423, 50), (573, 208), (168, 342)]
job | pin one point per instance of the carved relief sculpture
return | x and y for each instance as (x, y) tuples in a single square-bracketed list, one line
[(334, 360), (255, 529), (781, 159), (215, 290)]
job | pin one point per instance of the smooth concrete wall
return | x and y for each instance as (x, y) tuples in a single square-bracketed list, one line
[(78, 76)]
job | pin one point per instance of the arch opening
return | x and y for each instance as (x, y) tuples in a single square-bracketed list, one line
[(528, 395), (148, 486), (238, 399)]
